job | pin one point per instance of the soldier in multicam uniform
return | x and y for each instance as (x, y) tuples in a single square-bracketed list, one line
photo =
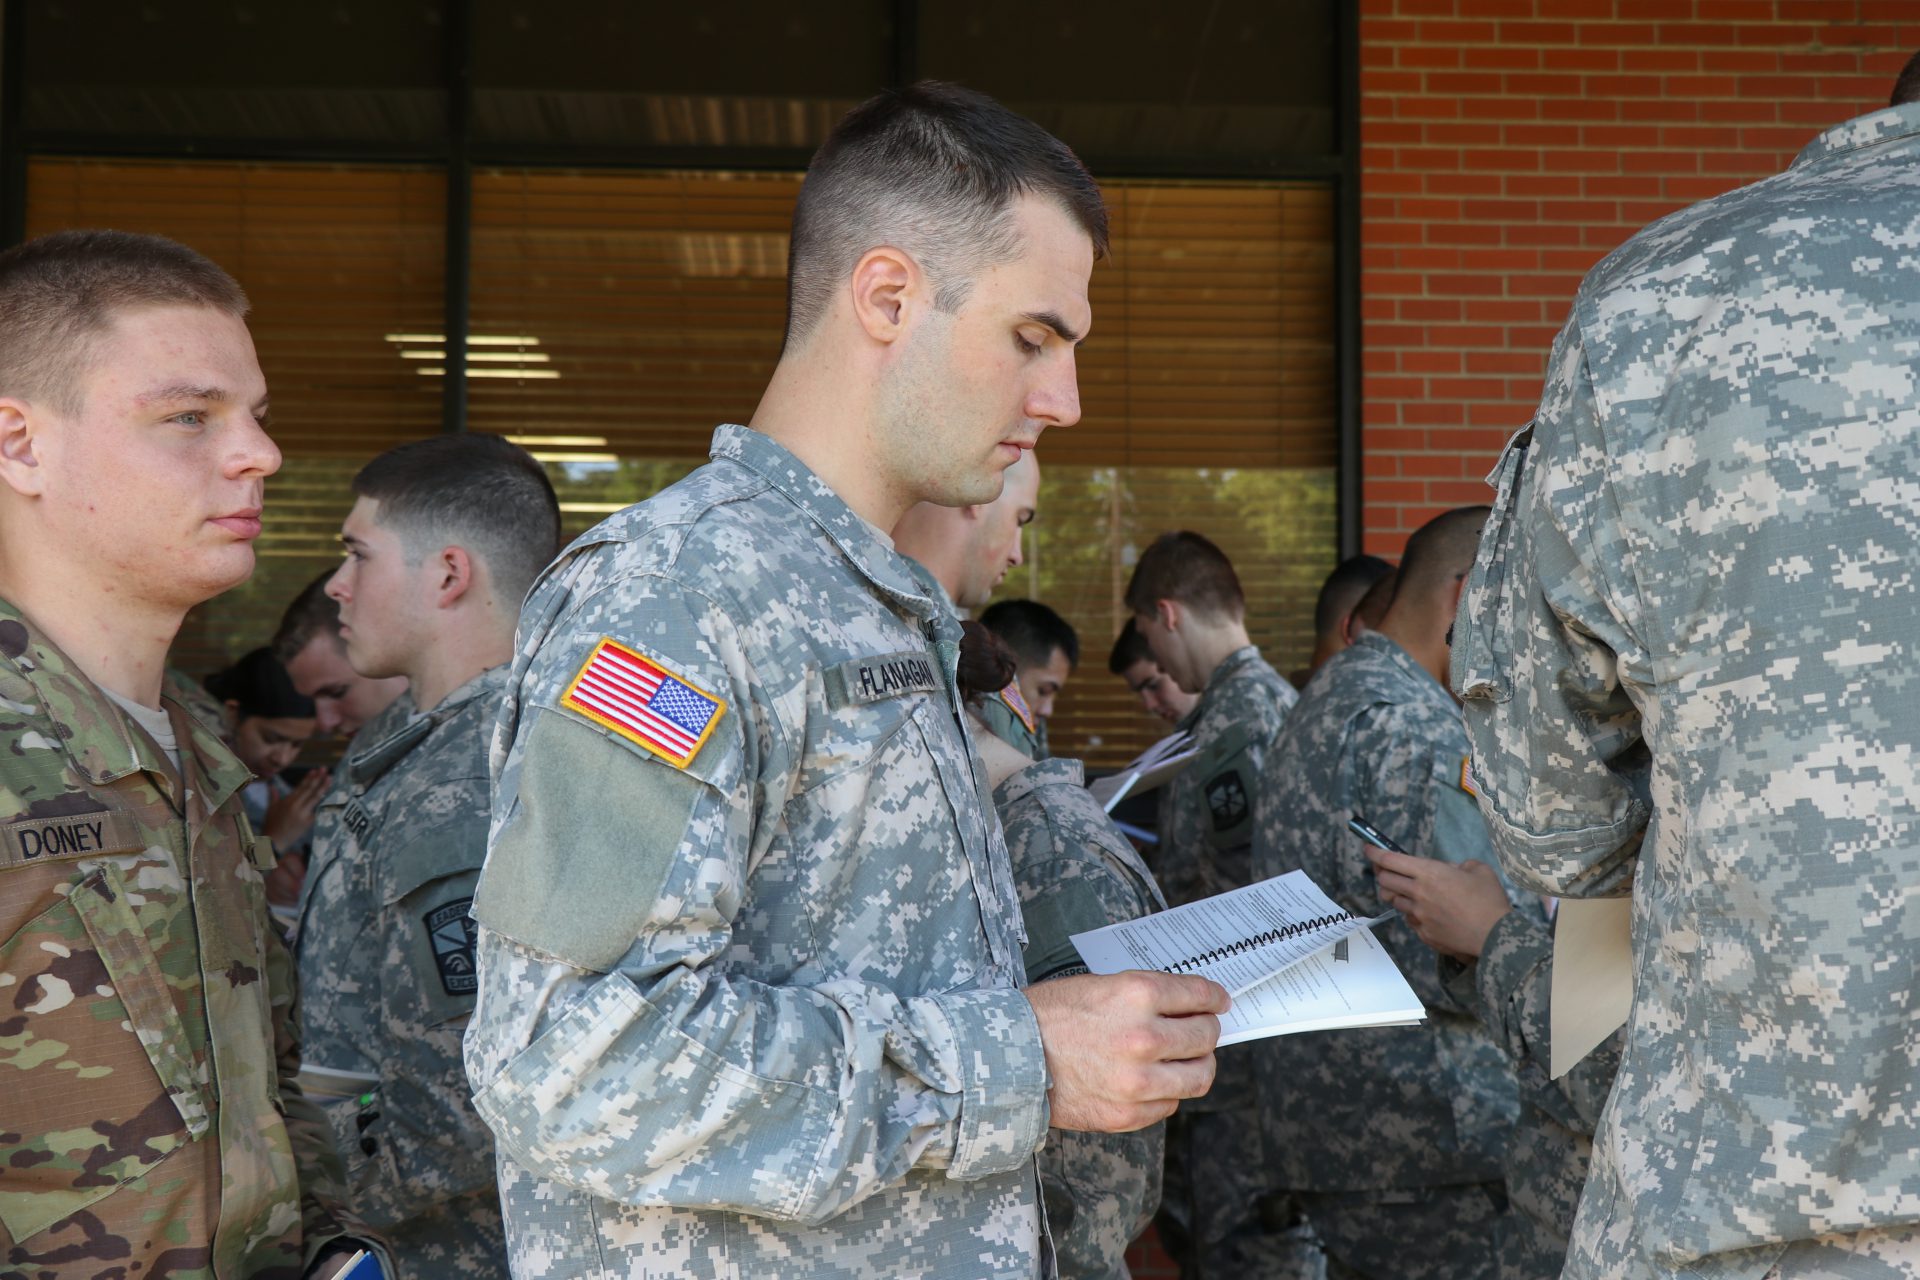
[(749, 948), (1498, 960), (149, 1119), (1394, 1136), (969, 551), (444, 540), (1687, 657), (1188, 605), (1074, 872)]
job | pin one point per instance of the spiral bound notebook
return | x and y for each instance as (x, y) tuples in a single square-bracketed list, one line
[(1290, 957)]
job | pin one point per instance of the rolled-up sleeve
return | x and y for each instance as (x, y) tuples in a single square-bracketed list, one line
[(1545, 661)]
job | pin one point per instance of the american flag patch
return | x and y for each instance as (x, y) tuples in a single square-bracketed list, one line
[(1017, 704), (1466, 776), (639, 700)]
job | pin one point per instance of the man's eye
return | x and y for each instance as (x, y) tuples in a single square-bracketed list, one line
[(191, 418), (1026, 347)]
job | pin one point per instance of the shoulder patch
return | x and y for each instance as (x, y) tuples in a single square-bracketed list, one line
[(1466, 776), (1227, 800), (643, 702), (1017, 703), (450, 931)]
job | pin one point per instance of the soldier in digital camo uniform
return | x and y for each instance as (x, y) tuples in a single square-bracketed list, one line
[(1687, 655), (1393, 1135), (749, 948), (1499, 960), (149, 1120), (1074, 872), (444, 540), (1187, 603)]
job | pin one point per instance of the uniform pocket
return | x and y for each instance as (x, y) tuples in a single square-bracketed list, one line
[(1481, 658), (97, 1086)]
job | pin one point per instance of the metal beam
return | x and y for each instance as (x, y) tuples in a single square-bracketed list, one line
[(1346, 269), (459, 226)]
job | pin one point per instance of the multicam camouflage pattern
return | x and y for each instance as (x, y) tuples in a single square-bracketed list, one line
[(1206, 832), (1384, 1110), (146, 1051), (1689, 667), (1074, 872), (759, 1015), (194, 699), (1510, 987), (384, 947)]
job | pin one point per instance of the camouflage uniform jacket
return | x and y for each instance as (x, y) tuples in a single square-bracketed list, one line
[(1008, 718), (1510, 987), (1075, 872), (1690, 667), (1206, 814), (1390, 1107), (385, 952), (750, 951), (148, 1115)]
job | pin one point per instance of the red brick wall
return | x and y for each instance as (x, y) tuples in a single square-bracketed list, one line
[(1508, 145)]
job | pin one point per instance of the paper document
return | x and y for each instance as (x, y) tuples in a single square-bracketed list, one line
[(1290, 957), (1592, 977), (1154, 767)]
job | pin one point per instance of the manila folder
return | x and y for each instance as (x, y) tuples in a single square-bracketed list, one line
[(1592, 976)]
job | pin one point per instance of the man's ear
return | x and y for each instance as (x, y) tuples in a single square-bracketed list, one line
[(885, 283), (1170, 613), (20, 428), (455, 573)]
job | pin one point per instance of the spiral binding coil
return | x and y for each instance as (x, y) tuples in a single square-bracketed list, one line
[(1266, 939)]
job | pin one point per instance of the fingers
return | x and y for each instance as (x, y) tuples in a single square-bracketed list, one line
[(1399, 863), (1394, 885), (1174, 995)]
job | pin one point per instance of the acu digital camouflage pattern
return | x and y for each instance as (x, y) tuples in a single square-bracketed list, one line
[(761, 1015), (1004, 723), (1690, 667), (1510, 987), (385, 952), (1206, 833), (1075, 872), (1385, 1109), (146, 1056)]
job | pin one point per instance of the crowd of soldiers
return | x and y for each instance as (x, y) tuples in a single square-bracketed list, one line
[(697, 899)]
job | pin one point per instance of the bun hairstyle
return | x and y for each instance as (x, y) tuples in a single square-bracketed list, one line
[(986, 664)]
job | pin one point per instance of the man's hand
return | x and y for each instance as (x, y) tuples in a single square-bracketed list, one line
[(290, 816), (1452, 907), (1124, 1048)]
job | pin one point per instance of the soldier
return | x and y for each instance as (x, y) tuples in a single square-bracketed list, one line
[(1392, 1136), (969, 551), (1133, 662), (309, 646), (444, 540), (1188, 605), (749, 947), (1333, 610), (1045, 649), (149, 1120), (1074, 871), (1498, 960), (1689, 671)]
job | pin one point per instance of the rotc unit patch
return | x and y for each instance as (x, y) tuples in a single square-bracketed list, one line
[(1017, 703), (644, 703), (1227, 798), (451, 932)]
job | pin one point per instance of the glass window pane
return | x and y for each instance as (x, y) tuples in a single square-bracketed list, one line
[(343, 265)]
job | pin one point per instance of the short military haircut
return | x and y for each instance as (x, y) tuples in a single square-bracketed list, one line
[(480, 492), (1373, 606), (1129, 647), (1033, 631), (1907, 88), (61, 292), (933, 169), (1440, 551), (313, 613), (1186, 567), (1343, 590)]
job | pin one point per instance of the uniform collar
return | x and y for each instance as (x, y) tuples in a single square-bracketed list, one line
[(101, 741), (1230, 666), (1388, 651), (870, 550), (1863, 131), (1015, 786), (364, 767)]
